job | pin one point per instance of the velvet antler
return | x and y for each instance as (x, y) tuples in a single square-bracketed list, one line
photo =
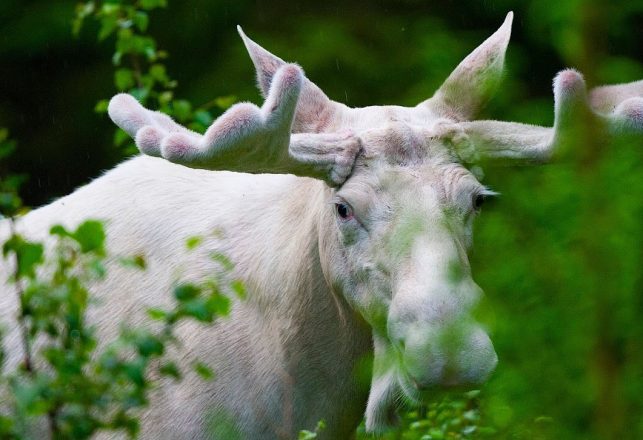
[(245, 138), (614, 109)]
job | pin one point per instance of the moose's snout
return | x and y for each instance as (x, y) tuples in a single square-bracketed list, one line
[(439, 343), (458, 355)]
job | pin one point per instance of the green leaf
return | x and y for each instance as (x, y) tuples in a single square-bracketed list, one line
[(219, 304), (165, 98), (182, 109), (9, 203), (7, 147), (305, 434), (124, 79), (110, 8), (90, 236), (184, 292), (59, 230), (222, 260), (170, 369), (157, 314), (149, 345), (135, 371), (197, 309), (157, 71), (120, 137), (14, 181), (101, 106), (203, 370), (130, 149), (140, 93), (117, 57), (238, 288), (225, 102), (29, 255), (108, 25), (141, 20), (203, 117), (83, 10), (193, 242), (436, 434), (122, 420), (98, 268), (136, 262)]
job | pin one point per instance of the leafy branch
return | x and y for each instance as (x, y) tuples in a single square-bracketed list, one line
[(64, 377), (140, 69)]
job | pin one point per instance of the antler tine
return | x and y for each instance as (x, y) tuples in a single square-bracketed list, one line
[(621, 112), (261, 135), (621, 104), (245, 138), (242, 126), (128, 114)]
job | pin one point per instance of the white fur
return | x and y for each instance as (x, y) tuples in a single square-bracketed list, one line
[(284, 358)]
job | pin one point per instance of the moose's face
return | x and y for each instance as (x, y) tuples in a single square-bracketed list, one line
[(402, 200), (403, 224)]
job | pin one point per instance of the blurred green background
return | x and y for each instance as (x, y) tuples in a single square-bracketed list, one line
[(559, 254)]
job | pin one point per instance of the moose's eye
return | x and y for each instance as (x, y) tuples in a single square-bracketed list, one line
[(344, 210), (478, 201)]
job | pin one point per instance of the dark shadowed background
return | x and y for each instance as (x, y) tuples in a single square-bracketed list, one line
[(559, 254)]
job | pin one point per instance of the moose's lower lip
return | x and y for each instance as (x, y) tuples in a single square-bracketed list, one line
[(449, 384)]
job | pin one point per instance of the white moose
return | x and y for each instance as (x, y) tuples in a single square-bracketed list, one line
[(351, 237)]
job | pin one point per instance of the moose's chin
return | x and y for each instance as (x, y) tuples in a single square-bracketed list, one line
[(395, 389), (389, 392), (381, 410)]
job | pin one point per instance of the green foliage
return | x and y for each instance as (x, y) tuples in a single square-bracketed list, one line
[(310, 435), (139, 63), (454, 417), (64, 376), (10, 201)]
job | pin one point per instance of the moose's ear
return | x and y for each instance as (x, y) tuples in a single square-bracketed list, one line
[(476, 78), (315, 111)]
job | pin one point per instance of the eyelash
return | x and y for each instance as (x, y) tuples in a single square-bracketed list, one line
[(480, 198)]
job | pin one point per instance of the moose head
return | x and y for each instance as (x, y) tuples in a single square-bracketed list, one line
[(399, 196)]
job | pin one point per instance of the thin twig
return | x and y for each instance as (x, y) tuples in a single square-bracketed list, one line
[(26, 346), (136, 64)]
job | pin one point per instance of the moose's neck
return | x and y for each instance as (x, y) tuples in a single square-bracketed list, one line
[(315, 336), (285, 269)]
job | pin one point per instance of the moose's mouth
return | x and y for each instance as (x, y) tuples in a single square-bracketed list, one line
[(394, 385), (396, 390), (389, 392)]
